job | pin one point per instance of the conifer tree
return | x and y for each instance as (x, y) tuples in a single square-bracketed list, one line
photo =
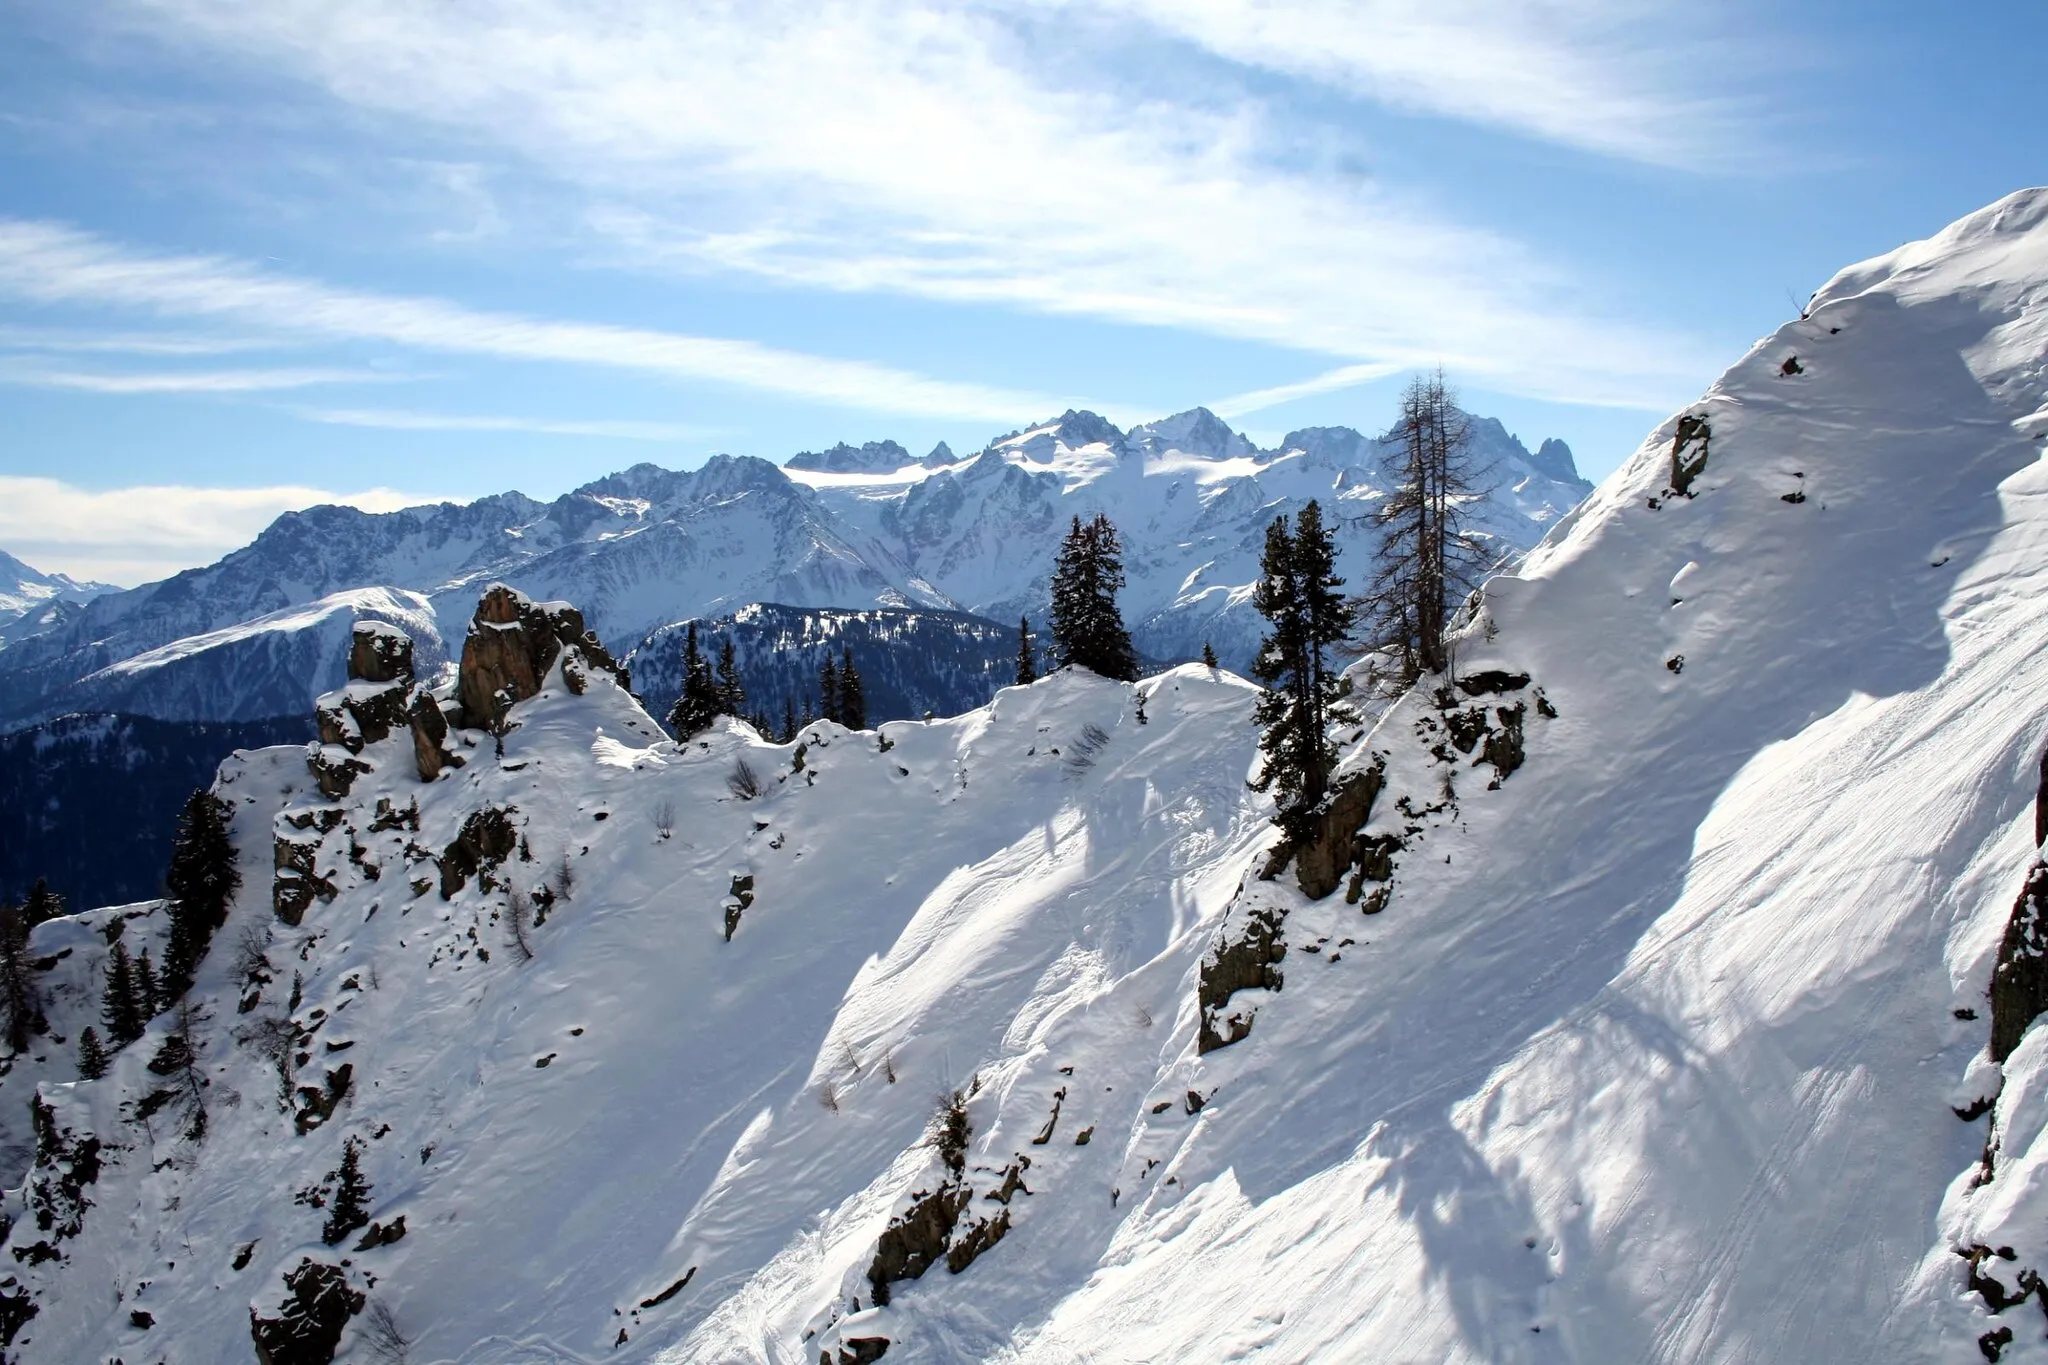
[(149, 992), (1298, 594), (117, 1003), (853, 697), (697, 706), (24, 1014), (1209, 655), (1027, 660), (1426, 560), (788, 719), (202, 880), (351, 1207), (42, 904), (1087, 628), (92, 1055), (828, 690), (732, 695)]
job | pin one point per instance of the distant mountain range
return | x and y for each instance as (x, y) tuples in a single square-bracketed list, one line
[(263, 630)]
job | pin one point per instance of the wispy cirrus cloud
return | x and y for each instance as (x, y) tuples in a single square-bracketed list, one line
[(52, 263), (970, 153), (399, 420), (187, 381), (136, 534)]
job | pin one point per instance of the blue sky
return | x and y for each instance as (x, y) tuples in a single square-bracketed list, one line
[(257, 256)]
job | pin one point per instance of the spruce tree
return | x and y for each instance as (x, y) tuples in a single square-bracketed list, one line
[(351, 1207), (788, 720), (117, 1003), (92, 1055), (1087, 628), (828, 690), (1209, 655), (697, 706), (43, 904), (732, 695), (1027, 659), (202, 880), (853, 697), (17, 982), (149, 992), (1298, 594)]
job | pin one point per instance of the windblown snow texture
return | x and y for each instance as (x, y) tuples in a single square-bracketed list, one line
[(1638, 1030)]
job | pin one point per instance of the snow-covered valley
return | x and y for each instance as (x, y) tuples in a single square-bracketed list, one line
[(1630, 1002)]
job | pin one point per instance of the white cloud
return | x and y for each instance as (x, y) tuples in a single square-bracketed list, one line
[(1615, 77), (930, 150), (64, 341), (188, 381), (1330, 381), (133, 535), (398, 420), (50, 263)]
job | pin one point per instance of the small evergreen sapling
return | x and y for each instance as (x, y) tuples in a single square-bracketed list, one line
[(92, 1055), (148, 990), (351, 1207), (43, 904), (117, 1003), (1209, 655), (1027, 658)]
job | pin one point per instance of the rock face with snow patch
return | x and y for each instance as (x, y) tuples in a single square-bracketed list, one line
[(512, 643)]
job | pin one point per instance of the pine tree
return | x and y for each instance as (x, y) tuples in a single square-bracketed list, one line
[(117, 1003), (1297, 593), (788, 720), (92, 1055), (24, 1014), (1426, 560), (853, 697), (1027, 660), (351, 1207), (1087, 628), (828, 690), (43, 904), (697, 706), (732, 695), (1209, 655), (202, 880), (149, 992)]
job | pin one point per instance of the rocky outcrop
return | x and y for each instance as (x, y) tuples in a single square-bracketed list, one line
[(487, 838), (1689, 453), (1328, 851), (917, 1239), (380, 699), (1250, 961), (2019, 983), (309, 1324), (513, 642)]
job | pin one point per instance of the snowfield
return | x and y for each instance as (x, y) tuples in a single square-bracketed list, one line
[(1639, 1032)]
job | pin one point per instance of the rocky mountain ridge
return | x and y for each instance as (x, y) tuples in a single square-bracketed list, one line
[(848, 528)]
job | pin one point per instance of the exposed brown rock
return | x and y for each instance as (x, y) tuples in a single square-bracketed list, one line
[(917, 1239), (2019, 982), (1247, 962), (309, 1323), (1322, 858), (379, 652), (512, 643), (487, 838)]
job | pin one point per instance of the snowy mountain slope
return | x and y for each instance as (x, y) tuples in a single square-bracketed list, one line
[(253, 670), (1637, 1033)]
